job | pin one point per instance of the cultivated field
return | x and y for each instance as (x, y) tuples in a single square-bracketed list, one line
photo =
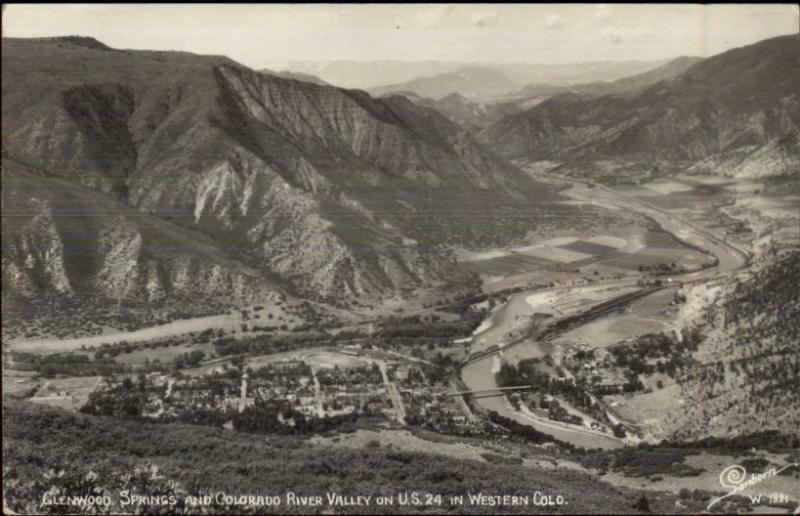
[(68, 393), (18, 382), (331, 359), (648, 249), (612, 329), (163, 354)]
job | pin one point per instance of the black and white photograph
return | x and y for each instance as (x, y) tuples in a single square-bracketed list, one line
[(400, 258)]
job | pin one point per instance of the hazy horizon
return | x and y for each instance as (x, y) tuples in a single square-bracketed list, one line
[(271, 36)]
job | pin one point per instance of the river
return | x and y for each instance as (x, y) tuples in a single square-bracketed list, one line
[(480, 374)]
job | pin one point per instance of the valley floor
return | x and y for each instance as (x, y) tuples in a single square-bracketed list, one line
[(510, 338)]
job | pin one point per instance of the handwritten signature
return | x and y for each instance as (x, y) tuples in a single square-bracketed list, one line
[(734, 479)]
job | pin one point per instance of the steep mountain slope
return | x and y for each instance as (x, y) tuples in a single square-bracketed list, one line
[(314, 184), (534, 94), (62, 238), (473, 82), (630, 84), (724, 108), (747, 380)]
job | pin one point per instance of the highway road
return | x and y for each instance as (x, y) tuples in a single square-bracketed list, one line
[(480, 374)]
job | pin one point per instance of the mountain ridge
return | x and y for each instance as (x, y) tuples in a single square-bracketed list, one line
[(743, 97), (316, 185), (470, 81), (474, 114), (374, 74)]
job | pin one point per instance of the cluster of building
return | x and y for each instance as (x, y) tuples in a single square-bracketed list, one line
[(394, 389)]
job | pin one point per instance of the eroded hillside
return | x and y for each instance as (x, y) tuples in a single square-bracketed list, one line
[(334, 193)]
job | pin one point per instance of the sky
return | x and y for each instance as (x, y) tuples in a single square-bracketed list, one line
[(272, 35)]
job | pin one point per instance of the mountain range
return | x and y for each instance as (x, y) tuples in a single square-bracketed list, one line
[(286, 185), (473, 113), (375, 74), (507, 83), (534, 94), (735, 113), (472, 82), (154, 175)]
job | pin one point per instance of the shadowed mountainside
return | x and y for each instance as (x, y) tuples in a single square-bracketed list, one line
[(335, 192)]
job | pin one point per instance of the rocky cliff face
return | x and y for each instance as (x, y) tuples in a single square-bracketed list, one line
[(36, 260), (730, 112), (62, 239), (318, 188)]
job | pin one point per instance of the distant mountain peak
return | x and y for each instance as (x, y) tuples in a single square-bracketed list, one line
[(471, 81)]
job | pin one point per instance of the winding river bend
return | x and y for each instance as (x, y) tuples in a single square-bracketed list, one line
[(480, 373)]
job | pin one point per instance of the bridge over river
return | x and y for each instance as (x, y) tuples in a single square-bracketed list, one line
[(491, 392), (478, 372)]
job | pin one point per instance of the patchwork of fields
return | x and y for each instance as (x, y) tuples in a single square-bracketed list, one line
[(698, 199), (652, 249)]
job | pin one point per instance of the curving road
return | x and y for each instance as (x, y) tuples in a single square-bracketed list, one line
[(480, 374)]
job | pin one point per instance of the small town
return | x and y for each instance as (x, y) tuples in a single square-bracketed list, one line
[(320, 385)]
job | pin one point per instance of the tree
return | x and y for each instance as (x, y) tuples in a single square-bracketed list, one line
[(642, 504), (238, 361)]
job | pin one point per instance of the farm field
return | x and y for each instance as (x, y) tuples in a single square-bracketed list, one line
[(559, 254), (612, 329), (162, 354), (545, 256), (318, 357), (650, 257), (655, 305), (588, 247), (18, 382), (67, 393), (331, 359), (508, 265)]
